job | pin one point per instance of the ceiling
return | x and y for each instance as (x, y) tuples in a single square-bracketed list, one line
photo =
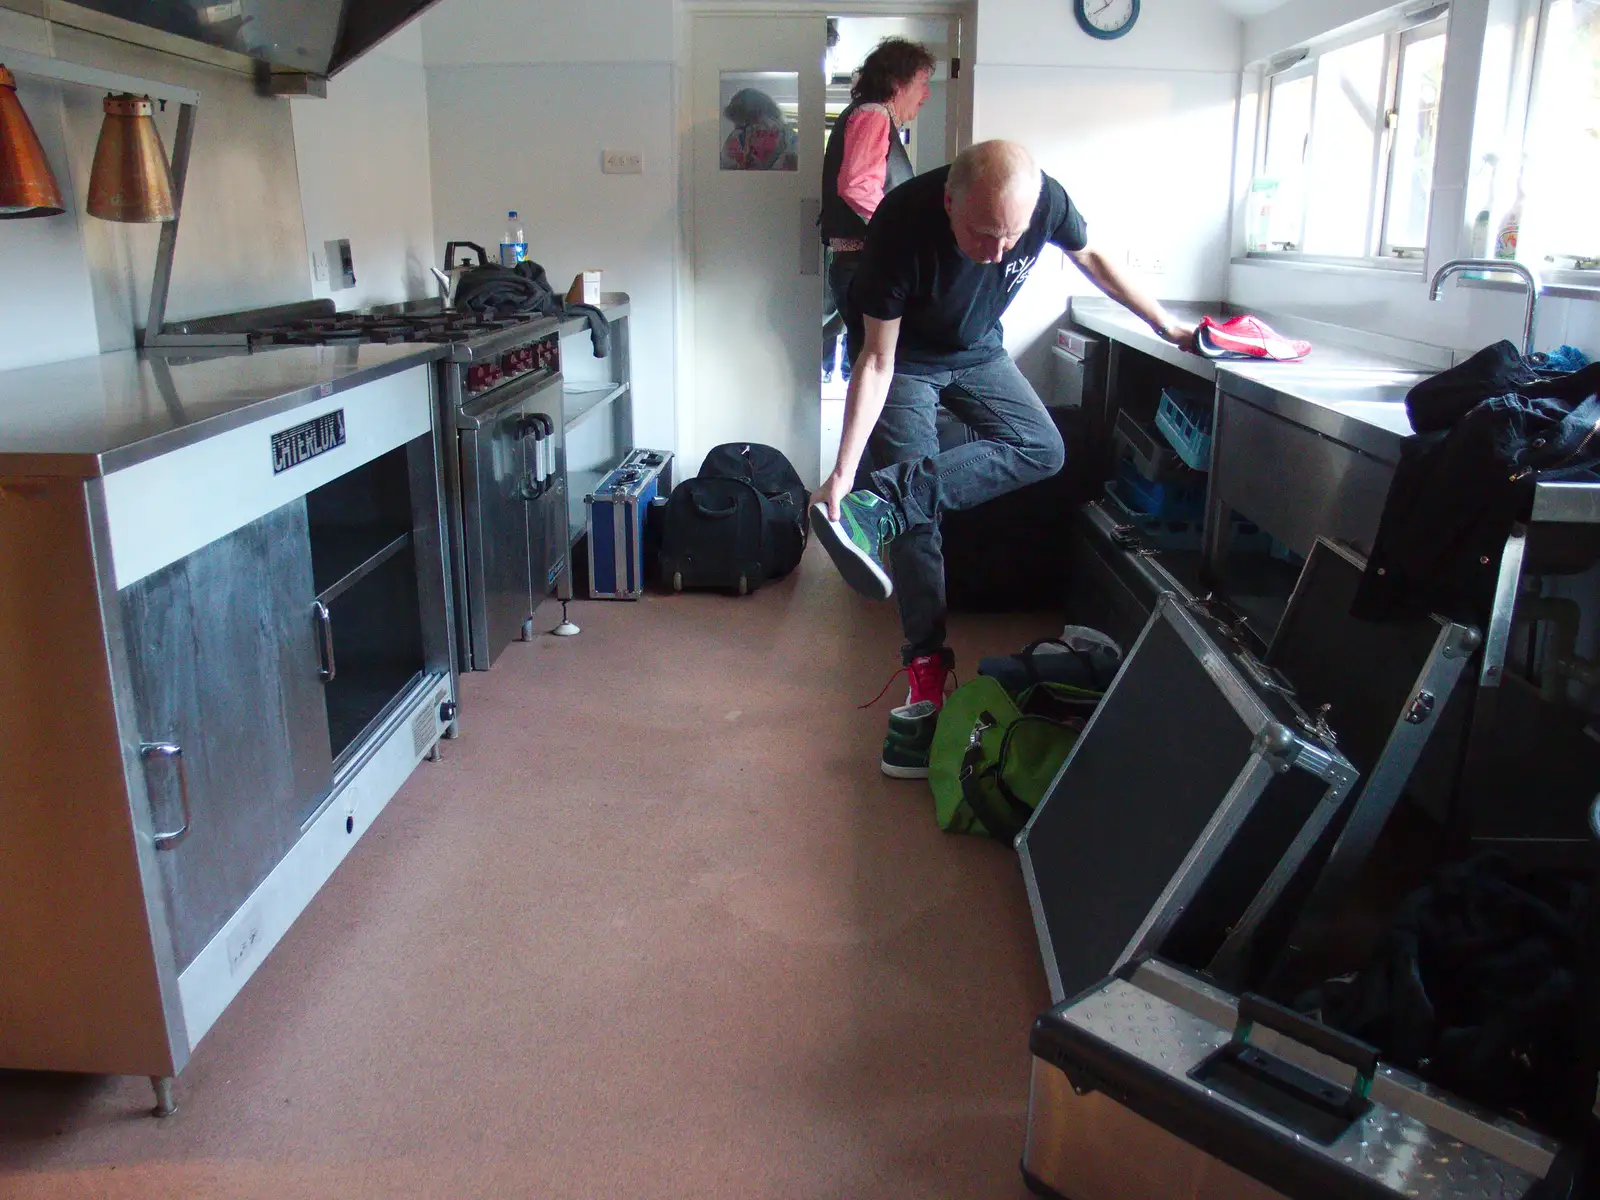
[(1249, 8)]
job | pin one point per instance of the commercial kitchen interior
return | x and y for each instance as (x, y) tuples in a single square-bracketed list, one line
[(654, 924)]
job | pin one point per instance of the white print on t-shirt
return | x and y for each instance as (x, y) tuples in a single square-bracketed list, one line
[(1017, 272)]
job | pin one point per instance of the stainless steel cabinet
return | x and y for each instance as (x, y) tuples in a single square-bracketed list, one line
[(223, 657), (224, 666)]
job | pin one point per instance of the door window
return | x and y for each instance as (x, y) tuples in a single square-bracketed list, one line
[(760, 119)]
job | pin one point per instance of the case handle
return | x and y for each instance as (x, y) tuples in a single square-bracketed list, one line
[(714, 514), (1341, 1047)]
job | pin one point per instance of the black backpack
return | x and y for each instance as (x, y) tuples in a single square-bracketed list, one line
[(739, 523)]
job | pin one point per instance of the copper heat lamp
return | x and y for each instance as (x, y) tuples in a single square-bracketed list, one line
[(28, 187), (130, 180)]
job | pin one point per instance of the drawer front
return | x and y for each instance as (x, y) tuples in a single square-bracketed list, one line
[(1295, 483)]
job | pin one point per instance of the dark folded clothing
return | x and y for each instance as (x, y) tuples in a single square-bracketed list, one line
[(1443, 399), (525, 290), (1457, 493)]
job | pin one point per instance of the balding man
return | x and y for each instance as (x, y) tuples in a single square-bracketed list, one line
[(945, 253)]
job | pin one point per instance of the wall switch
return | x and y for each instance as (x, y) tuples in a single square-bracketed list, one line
[(319, 266), (621, 162)]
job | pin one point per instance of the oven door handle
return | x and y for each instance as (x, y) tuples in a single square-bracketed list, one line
[(324, 620), (470, 417)]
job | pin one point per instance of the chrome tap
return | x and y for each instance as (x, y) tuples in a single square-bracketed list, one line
[(1529, 277)]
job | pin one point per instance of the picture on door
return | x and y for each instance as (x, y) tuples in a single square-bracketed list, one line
[(760, 114)]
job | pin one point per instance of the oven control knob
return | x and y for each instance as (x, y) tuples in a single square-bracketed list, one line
[(447, 711)]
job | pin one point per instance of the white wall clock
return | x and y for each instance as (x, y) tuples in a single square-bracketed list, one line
[(1106, 19)]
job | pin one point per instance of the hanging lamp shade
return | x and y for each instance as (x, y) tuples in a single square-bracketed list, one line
[(28, 187), (130, 179)]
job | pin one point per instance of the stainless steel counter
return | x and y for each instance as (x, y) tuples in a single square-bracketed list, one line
[(92, 416), (1352, 394)]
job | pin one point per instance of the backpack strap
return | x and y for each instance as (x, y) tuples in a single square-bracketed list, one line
[(1025, 657)]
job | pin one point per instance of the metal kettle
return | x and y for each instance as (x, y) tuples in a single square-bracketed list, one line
[(450, 278)]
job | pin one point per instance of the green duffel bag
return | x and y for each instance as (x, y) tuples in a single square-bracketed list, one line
[(993, 755)]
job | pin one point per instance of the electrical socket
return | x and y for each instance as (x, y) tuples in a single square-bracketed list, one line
[(319, 266), (1146, 262), (621, 162)]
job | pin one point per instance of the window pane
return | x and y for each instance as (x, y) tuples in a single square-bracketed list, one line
[(1416, 131), (760, 111), (1282, 179), (1563, 168), (1344, 134)]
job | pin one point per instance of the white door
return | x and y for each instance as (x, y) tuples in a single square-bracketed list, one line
[(757, 303)]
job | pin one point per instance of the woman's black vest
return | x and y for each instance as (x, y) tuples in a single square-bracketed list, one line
[(839, 220)]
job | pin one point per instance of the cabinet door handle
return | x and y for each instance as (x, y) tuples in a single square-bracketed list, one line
[(149, 750), (324, 620)]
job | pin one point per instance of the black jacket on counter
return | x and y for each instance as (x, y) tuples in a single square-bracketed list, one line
[(525, 289), (1488, 430)]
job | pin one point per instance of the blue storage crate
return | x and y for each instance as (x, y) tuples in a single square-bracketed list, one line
[(1157, 532), (1186, 420), (1170, 500)]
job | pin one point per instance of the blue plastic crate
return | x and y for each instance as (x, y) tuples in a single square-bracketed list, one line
[(1170, 501), (1186, 421), (1159, 533)]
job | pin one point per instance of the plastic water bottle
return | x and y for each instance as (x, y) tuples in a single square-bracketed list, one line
[(513, 244)]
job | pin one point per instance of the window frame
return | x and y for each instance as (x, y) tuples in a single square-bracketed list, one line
[(1398, 32)]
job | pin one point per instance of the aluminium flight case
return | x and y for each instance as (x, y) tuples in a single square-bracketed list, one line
[(1184, 809), (618, 512), (1386, 687), (1155, 1084)]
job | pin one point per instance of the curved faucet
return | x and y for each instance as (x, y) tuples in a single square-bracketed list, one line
[(1529, 277)]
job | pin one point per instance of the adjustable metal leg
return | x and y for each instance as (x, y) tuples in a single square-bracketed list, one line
[(165, 1104)]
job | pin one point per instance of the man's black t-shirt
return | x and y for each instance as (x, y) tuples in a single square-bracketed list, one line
[(949, 306)]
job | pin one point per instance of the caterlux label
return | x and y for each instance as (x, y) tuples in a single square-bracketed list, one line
[(304, 442)]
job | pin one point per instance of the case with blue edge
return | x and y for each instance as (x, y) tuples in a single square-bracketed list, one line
[(617, 512)]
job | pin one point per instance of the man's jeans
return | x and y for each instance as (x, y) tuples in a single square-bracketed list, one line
[(1015, 443)]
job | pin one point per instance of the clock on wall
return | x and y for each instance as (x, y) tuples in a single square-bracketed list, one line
[(1106, 18)]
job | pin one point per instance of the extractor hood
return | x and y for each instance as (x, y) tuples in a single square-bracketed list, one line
[(318, 37)]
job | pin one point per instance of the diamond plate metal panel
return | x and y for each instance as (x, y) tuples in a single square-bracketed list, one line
[(1405, 1155)]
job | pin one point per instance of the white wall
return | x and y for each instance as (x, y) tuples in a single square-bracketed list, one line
[(1138, 130), (1180, 35), (548, 31), (365, 173), (530, 137), (523, 96)]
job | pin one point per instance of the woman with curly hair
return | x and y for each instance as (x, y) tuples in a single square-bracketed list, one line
[(866, 157)]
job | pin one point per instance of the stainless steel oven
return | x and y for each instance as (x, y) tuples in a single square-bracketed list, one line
[(509, 444), (504, 451)]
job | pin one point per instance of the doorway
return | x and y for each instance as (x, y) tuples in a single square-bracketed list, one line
[(760, 91), (931, 141)]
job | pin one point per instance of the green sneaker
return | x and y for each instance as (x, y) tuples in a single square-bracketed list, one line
[(858, 542), (909, 741)]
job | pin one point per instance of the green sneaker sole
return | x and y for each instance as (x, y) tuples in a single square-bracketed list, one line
[(859, 569)]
